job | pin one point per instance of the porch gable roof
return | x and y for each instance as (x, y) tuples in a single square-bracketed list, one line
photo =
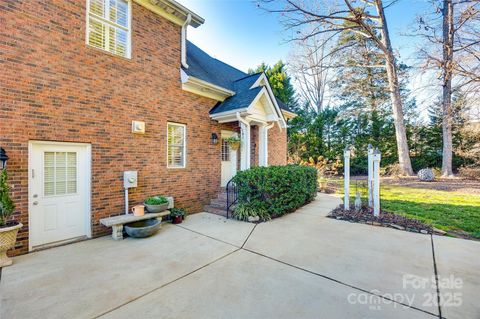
[(241, 85)]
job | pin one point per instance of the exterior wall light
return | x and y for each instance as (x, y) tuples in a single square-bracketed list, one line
[(3, 158), (214, 138)]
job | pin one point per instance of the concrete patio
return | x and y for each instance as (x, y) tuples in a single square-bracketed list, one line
[(302, 265)]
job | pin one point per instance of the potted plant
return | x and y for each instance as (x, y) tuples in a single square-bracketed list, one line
[(233, 142), (8, 228), (177, 215), (156, 204)]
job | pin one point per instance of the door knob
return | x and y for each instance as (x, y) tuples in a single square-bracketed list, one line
[(35, 203)]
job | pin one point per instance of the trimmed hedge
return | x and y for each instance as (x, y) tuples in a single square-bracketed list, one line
[(276, 189)]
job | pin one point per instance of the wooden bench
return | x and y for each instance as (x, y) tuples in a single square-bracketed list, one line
[(117, 222)]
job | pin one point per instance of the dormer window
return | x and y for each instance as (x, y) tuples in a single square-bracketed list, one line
[(109, 26)]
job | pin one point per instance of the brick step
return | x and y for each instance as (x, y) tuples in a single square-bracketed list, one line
[(222, 196), (219, 203), (214, 210)]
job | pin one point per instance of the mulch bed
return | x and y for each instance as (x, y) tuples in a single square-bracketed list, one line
[(385, 219)]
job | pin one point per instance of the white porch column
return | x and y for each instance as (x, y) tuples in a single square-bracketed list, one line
[(245, 143), (263, 144)]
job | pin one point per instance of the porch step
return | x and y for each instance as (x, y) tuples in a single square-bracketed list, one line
[(222, 196), (218, 203), (215, 210)]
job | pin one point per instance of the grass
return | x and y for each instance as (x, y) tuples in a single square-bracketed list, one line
[(455, 212)]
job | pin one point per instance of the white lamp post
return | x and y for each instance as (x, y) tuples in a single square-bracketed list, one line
[(346, 172), (376, 157), (370, 175)]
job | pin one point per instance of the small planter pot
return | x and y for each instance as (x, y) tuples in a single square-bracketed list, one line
[(8, 237), (177, 220), (156, 208), (143, 228)]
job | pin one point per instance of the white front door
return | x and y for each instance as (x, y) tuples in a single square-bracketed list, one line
[(59, 192), (229, 159)]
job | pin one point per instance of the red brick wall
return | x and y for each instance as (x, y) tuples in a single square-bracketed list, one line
[(54, 87), (254, 145), (277, 146)]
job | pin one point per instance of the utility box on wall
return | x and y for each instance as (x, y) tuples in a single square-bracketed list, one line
[(138, 127), (130, 179)]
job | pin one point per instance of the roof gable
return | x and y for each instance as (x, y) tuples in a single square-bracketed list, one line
[(245, 87)]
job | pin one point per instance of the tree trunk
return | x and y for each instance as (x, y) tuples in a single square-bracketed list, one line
[(447, 152), (397, 107)]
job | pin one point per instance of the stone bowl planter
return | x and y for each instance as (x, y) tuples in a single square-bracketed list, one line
[(8, 237), (143, 228), (156, 208)]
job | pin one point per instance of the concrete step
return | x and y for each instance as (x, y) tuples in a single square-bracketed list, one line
[(214, 210)]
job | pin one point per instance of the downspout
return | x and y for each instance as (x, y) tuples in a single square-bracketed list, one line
[(184, 41)]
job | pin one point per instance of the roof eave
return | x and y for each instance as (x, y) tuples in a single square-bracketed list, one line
[(173, 11), (204, 88), (288, 114)]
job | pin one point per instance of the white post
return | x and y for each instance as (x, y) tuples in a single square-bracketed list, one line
[(376, 157), (248, 141), (244, 145), (346, 172), (370, 176), (261, 145)]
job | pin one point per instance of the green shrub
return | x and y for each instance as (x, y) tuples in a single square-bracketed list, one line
[(156, 200), (243, 211), (6, 204), (276, 189)]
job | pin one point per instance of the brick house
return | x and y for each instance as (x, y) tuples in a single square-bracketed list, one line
[(92, 88)]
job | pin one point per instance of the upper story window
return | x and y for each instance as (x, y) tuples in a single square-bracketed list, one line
[(176, 145), (108, 26)]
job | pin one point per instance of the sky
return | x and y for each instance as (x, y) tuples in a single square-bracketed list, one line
[(243, 35)]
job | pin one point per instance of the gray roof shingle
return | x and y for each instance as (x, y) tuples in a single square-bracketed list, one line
[(206, 68)]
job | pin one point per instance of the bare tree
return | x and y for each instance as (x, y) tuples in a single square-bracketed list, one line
[(366, 18), (456, 54), (448, 34), (310, 69)]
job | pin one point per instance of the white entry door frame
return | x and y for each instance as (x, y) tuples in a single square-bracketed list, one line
[(229, 159), (59, 192)]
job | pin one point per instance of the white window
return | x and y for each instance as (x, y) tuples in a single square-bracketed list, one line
[(108, 25), (176, 145), (60, 173), (225, 151)]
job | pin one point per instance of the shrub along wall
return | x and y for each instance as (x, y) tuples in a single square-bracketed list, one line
[(276, 189)]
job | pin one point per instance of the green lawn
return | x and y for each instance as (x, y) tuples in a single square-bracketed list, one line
[(447, 210)]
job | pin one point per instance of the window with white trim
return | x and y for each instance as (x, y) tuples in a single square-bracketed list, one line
[(176, 145), (225, 151), (108, 26)]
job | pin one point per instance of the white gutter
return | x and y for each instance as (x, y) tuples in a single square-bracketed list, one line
[(241, 119), (184, 40)]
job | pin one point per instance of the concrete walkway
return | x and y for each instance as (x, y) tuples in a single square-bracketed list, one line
[(302, 265)]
